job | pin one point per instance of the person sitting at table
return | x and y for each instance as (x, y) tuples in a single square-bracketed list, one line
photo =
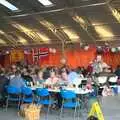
[(64, 78), (17, 81), (26, 76), (72, 76), (52, 80), (39, 77), (46, 73)]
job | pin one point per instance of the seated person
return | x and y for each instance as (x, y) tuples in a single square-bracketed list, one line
[(89, 84), (63, 78), (52, 80), (39, 77), (72, 76), (26, 76), (11, 76), (17, 81), (107, 91), (46, 73)]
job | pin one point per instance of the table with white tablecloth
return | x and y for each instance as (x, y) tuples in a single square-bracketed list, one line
[(76, 90)]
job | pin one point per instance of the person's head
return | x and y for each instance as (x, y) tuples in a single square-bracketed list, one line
[(64, 76), (14, 68), (24, 70), (52, 73), (18, 74), (40, 74), (92, 118)]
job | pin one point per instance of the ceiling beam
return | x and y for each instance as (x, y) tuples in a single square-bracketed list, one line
[(57, 10)]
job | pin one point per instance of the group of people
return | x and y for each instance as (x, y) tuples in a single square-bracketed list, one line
[(23, 76), (20, 75)]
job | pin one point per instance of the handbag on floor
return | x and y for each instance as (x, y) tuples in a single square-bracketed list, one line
[(30, 112)]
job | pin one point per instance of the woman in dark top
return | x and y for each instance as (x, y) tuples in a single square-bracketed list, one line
[(27, 77)]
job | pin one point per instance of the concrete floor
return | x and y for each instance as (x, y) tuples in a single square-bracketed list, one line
[(110, 107)]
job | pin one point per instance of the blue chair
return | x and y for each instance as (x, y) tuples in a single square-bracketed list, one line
[(13, 95), (70, 100), (44, 98), (27, 95)]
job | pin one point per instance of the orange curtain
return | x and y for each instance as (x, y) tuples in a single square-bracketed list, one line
[(112, 59), (80, 57), (75, 58), (53, 59)]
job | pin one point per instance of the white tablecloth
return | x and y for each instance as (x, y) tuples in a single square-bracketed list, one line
[(77, 91)]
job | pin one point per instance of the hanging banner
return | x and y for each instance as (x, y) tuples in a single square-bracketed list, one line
[(40, 53), (17, 55)]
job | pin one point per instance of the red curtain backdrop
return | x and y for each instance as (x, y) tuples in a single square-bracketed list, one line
[(112, 59), (75, 58), (80, 57)]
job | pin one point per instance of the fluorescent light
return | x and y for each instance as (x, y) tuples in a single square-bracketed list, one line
[(2, 41), (22, 40), (116, 14), (43, 37), (2, 32), (71, 34), (103, 32), (8, 5), (46, 3), (79, 20)]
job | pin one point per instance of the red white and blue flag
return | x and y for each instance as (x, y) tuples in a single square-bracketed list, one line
[(39, 53)]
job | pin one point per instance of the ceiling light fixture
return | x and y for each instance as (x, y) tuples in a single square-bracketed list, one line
[(46, 3), (103, 32), (116, 14), (8, 5), (71, 34), (2, 41)]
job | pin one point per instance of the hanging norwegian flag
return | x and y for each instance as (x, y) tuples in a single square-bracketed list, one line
[(39, 53)]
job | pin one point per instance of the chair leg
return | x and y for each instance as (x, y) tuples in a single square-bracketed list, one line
[(75, 112), (79, 111), (19, 104), (61, 112), (46, 118), (6, 104)]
